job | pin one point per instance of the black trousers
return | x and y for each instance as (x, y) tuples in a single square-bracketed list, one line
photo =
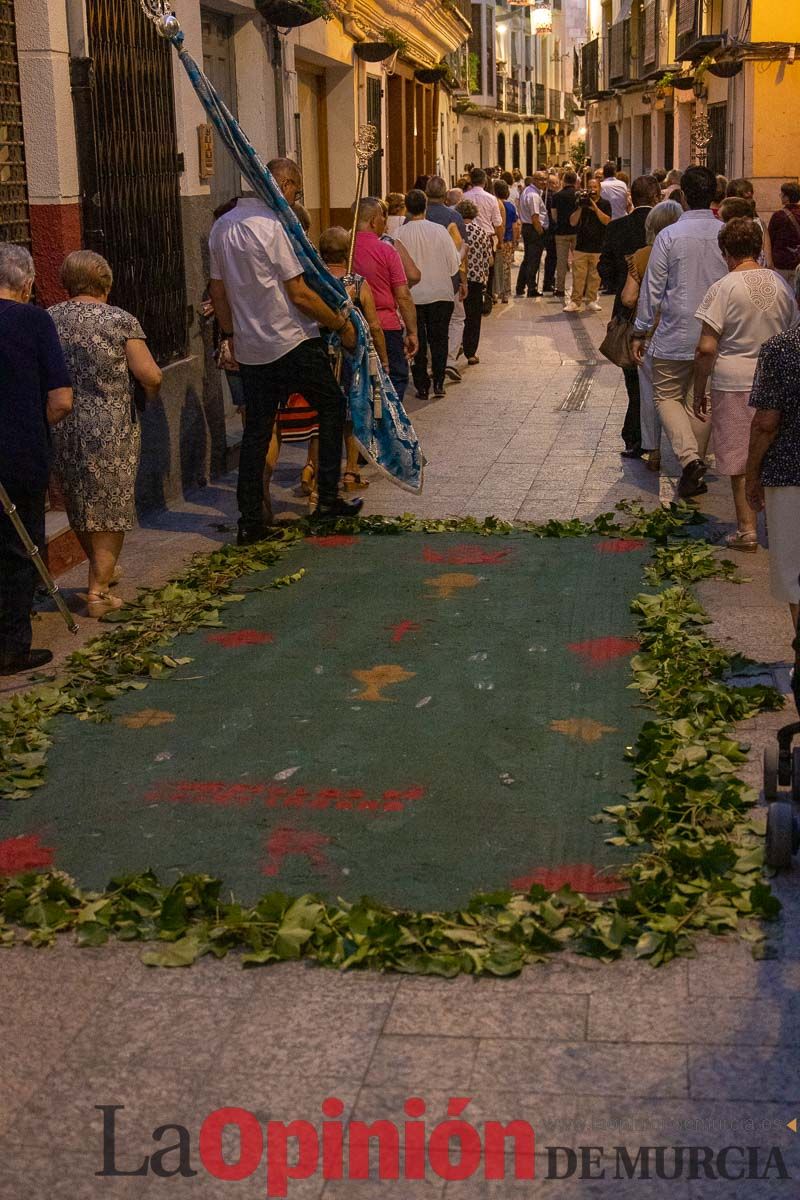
[(17, 573), (631, 427), (266, 386), (533, 244), (433, 329), (473, 312), (550, 259)]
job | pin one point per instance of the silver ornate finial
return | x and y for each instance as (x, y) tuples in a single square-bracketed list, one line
[(366, 144), (162, 16)]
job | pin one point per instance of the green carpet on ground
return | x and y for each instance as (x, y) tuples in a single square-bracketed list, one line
[(419, 718)]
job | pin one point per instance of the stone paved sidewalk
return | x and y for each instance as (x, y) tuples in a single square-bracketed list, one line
[(703, 1052)]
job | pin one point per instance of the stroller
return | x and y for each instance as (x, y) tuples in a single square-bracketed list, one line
[(782, 769)]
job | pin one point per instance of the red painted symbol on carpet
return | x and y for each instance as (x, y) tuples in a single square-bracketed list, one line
[(620, 545), (598, 651), (400, 630), (242, 637), (24, 853), (465, 556), (275, 795), (286, 842), (581, 877), (332, 540)]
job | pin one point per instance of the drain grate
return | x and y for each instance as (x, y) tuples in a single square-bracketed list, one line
[(578, 395)]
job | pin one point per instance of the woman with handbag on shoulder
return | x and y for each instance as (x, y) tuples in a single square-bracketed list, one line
[(97, 446)]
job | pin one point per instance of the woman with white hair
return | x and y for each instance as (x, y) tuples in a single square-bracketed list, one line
[(660, 216), (35, 392), (97, 448)]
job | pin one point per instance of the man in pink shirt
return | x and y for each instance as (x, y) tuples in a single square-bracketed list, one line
[(381, 266)]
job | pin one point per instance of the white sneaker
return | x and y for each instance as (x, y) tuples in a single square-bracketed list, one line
[(594, 306), (572, 307)]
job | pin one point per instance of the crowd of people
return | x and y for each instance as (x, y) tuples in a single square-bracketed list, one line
[(704, 320)]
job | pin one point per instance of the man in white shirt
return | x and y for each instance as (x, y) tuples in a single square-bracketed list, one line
[(273, 318), (615, 191), (532, 215), (685, 262), (434, 252), (491, 214)]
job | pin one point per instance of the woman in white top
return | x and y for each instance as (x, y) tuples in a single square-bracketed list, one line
[(739, 313)]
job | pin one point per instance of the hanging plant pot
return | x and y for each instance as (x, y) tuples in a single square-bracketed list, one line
[(725, 70), (373, 51), (683, 83), (432, 74), (286, 14)]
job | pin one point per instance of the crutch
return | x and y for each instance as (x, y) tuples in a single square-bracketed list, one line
[(10, 509)]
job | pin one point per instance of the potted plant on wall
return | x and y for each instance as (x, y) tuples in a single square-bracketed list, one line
[(388, 43), (441, 73), (663, 86), (291, 14), (683, 83)]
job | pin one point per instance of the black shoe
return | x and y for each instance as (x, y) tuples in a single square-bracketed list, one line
[(631, 452), (249, 534), (438, 390), (691, 480), (534, 295), (26, 662), (339, 508)]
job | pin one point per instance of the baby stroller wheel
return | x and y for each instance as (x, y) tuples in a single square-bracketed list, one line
[(780, 835), (796, 775), (771, 772)]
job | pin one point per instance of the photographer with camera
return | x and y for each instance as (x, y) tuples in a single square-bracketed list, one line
[(590, 218)]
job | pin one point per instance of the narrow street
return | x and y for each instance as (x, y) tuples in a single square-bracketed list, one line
[(701, 1052)]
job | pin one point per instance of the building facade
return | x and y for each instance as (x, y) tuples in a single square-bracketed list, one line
[(105, 145), (519, 106), (670, 82)]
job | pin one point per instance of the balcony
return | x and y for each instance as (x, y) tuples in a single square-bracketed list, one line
[(590, 70), (539, 99), (698, 28), (554, 109), (648, 39), (622, 62)]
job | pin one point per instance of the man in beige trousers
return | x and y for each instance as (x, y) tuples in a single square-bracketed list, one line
[(685, 262)]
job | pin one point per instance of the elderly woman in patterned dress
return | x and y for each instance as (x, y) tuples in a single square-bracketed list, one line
[(739, 313), (97, 446)]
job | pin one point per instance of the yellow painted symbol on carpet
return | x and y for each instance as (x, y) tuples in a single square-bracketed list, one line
[(378, 678), (582, 729), (146, 717), (792, 1125), (446, 586)]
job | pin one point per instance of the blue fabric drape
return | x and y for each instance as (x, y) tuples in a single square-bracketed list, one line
[(388, 439)]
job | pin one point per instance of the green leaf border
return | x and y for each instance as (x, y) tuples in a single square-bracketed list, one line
[(700, 866)]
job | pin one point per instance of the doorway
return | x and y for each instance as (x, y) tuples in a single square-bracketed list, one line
[(312, 146), (220, 67)]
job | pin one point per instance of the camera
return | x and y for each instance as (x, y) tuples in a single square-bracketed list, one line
[(584, 199)]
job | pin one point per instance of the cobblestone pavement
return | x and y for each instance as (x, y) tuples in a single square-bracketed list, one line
[(703, 1052)]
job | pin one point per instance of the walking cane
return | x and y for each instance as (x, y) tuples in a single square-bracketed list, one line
[(10, 509)]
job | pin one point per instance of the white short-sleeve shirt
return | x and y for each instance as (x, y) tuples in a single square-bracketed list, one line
[(745, 308), (251, 253), (436, 257)]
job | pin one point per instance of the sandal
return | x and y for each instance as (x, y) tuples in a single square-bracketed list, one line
[(746, 542), (100, 603), (307, 476), (352, 482)]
